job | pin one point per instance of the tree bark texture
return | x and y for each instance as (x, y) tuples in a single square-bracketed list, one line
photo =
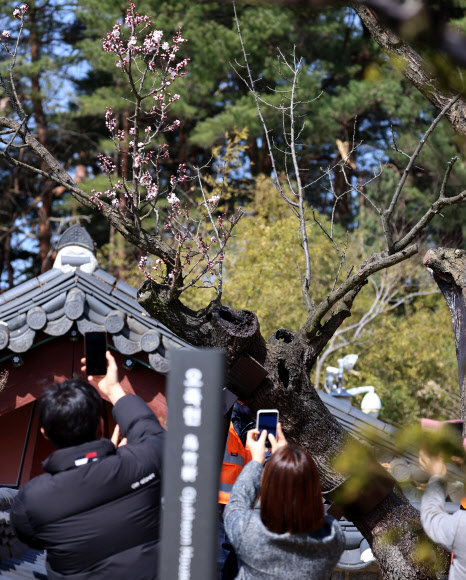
[(288, 358), (414, 68), (448, 267)]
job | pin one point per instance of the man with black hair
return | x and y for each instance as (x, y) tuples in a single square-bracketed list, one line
[(96, 508)]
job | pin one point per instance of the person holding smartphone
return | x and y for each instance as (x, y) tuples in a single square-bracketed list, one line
[(96, 509), (291, 537), (448, 530)]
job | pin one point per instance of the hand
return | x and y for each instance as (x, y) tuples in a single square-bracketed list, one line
[(278, 442), (116, 436), (108, 384), (256, 445), (432, 465)]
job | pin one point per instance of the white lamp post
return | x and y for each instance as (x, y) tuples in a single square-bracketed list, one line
[(331, 373), (348, 361)]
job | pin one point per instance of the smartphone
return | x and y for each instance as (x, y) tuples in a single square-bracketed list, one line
[(95, 349), (267, 420)]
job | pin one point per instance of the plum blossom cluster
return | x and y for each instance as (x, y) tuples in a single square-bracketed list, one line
[(21, 11), (145, 46), (150, 61), (157, 269), (140, 46), (106, 164), (194, 248), (5, 35), (4, 40), (112, 194)]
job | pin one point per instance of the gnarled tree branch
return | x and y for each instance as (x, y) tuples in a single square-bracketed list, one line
[(414, 68)]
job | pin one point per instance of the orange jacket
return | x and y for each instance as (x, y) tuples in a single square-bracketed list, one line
[(235, 458)]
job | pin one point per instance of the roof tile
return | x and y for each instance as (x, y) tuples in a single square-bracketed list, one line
[(124, 297), (105, 276), (97, 305), (49, 275), (127, 289), (93, 281), (54, 303), (23, 300), (20, 290)]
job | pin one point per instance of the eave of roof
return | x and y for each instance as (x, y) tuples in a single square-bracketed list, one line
[(55, 301)]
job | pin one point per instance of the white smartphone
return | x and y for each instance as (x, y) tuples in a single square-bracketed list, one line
[(267, 420)]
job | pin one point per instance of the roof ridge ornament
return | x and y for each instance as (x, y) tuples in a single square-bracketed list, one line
[(76, 236), (76, 249)]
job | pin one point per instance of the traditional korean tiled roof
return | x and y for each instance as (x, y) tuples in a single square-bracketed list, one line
[(68, 298)]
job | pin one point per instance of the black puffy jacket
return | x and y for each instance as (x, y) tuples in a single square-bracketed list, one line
[(99, 518)]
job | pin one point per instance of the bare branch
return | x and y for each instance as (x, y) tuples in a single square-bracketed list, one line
[(354, 284), (387, 214), (413, 66), (302, 218), (220, 267), (434, 209), (251, 87)]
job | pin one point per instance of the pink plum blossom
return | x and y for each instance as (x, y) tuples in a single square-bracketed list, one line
[(172, 199)]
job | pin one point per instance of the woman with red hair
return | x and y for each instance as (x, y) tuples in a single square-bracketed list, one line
[(292, 538)]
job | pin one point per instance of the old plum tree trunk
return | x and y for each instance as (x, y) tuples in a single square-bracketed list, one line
[(382, 514), (448, 267)]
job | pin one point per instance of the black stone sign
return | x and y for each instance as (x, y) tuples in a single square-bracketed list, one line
[(192, 465)]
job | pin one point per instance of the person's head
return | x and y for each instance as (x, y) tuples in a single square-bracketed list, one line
[(291, 499), (69, 413)]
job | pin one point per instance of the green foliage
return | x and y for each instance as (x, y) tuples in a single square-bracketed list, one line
[(446, 441), (262, 267), (408, 355)]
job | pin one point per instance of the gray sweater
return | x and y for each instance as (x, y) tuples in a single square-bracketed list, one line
[(448, 530), (264, 554)]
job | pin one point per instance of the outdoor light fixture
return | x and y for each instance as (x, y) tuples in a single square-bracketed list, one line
[(331, 373), (336, 390), (17, 360), (348, 362), (345, 364), (371, 403), (129, 363)]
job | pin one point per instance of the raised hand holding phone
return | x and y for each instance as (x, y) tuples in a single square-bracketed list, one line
[(432, 465), (279, 440), (255, 442), (108, 384), (267, 419)]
